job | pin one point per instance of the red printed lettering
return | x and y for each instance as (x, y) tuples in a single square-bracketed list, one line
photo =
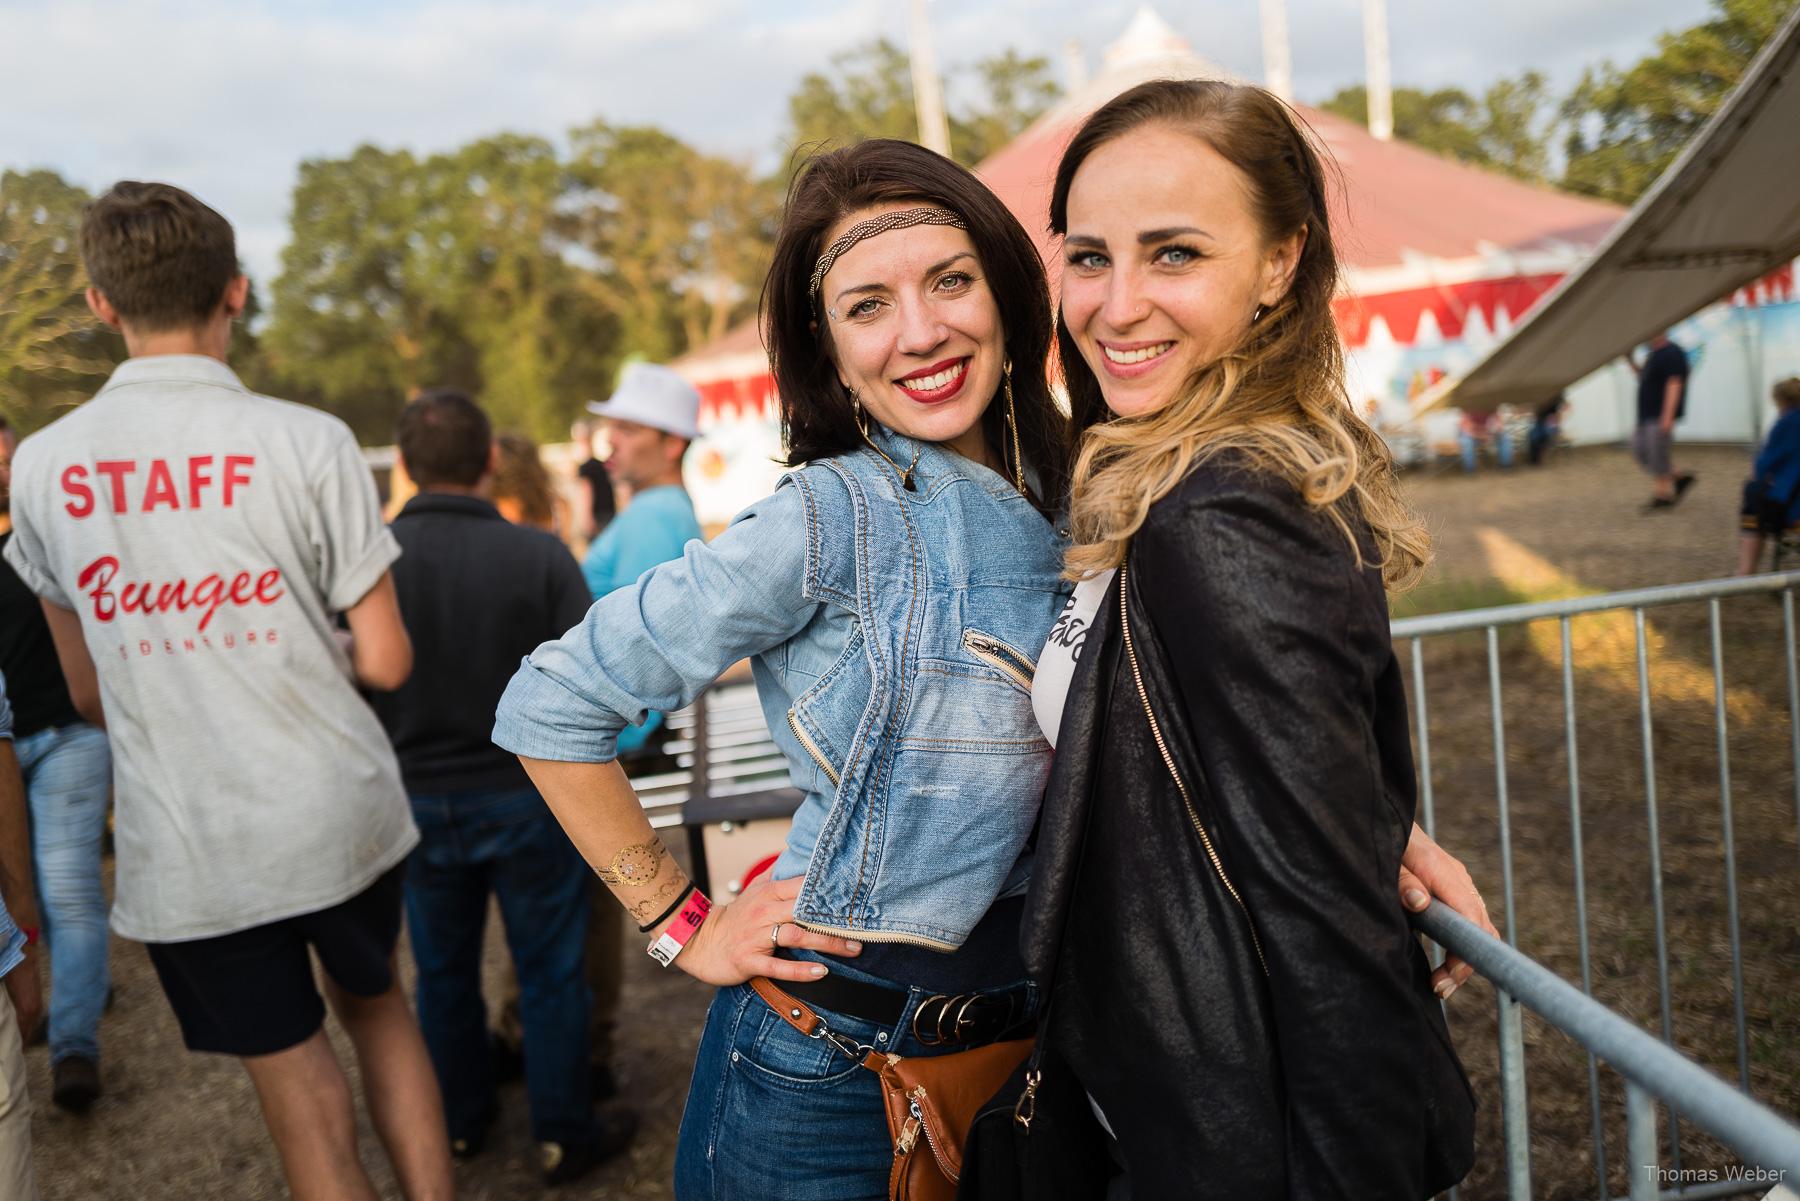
[(198, 478), (161, 488), (116, 470), (209, 594), (99, 573), (232, 478), (74, 482)]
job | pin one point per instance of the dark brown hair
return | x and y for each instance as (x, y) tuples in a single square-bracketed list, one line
[(1277, 398), (817, 419), (444, 438), (160, 257)]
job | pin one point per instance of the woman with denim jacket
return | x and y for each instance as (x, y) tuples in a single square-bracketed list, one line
[(1235, 985), (885, 594)]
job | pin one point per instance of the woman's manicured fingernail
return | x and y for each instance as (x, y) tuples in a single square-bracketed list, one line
[(1444, 989), (819, 969), (855, 947), (1416, 898)]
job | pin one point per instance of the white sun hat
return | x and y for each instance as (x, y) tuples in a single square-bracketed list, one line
[(653, 395)]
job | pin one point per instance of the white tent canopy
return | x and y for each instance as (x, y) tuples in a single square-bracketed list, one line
[(1725, 213)]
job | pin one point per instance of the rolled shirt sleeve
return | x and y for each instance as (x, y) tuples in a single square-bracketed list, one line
[(353, 543), (657, 644)]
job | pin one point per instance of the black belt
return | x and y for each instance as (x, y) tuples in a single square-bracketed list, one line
[(942, 1019)]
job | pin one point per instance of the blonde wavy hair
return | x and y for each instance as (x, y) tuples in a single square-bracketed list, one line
[(1277, 399)]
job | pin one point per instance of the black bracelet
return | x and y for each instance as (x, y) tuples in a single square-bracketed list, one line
[(669, 912)]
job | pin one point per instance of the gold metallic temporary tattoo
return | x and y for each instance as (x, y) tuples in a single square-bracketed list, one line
[(635, 866), (652, 905)]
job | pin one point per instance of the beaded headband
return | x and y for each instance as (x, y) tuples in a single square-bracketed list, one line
[(899, 219)]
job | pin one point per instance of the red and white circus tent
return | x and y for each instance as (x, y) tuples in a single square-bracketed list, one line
[(1436, 254)]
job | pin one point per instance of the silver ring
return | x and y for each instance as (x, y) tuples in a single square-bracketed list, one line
[(775, 934)]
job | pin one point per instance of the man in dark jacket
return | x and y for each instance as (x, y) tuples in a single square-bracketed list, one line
[(477, 594)]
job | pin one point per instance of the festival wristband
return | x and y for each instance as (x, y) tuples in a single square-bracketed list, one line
[(30, 933), (672, 940)]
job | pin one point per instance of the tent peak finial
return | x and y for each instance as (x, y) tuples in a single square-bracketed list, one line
[(1148, 36)]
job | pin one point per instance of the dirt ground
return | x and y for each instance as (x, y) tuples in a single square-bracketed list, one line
[(174, 1125)]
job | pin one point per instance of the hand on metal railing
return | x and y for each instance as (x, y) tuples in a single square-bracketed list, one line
[(1427, 870)]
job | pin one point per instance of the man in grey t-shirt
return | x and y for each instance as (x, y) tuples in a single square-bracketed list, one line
[(192, 543)]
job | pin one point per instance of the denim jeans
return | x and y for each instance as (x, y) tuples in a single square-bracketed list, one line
[(67, 772), (507, 842), (772, 1114)]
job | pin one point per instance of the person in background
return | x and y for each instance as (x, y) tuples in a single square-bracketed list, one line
[(1546, 425), (1772, 493), (22, 997), (596, 506), (1661, 402), (1478, 430), (67, 769), (649, 421), (260, 813), (522, 490), (477, 594)]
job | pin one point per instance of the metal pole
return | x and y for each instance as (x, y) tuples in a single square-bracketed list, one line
[(1793, 678), (1581, 916), (1515, 1112), (1380, 87), (1656, 872), (1506, 857), (1278, 65), (928, 89), (1640, 1142), (1731, 884), (1427, 811)]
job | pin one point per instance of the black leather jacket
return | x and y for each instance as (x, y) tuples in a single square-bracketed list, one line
[(1264, 649)]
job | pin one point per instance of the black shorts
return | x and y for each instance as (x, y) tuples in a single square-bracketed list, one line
[(251, 992)]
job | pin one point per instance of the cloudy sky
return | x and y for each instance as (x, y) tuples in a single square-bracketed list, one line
[(227, 98)]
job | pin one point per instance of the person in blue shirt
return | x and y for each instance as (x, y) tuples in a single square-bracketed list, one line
[(22, 998), (649, 422), (1772, 493)]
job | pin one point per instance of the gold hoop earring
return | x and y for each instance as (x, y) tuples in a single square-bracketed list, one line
[(862, 427), (1012, 426)]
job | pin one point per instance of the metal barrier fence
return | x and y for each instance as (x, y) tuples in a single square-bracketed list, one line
[(1641, 1119), (1769, 1143)]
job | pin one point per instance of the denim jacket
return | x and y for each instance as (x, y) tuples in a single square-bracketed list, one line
[(893, 637)]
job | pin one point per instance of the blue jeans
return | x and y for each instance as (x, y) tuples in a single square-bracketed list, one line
[(506, 841), (772, 1114), (67, 772)]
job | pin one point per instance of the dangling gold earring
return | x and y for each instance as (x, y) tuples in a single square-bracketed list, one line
[(862, 427), (1012, 426)]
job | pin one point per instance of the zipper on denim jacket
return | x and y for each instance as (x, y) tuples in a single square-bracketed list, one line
[(1009, 661), (812, 748)]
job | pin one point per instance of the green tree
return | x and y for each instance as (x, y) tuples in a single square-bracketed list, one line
[(1011, 91), (1624, 127), (1502, 131), (867, 93), (52, 350), (404, 273), (676, 240)]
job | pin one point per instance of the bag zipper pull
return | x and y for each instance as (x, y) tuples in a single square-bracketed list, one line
[(1026, 1107), (909, 1131)]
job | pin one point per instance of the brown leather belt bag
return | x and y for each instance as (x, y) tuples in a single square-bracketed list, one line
[(929, 1100)]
